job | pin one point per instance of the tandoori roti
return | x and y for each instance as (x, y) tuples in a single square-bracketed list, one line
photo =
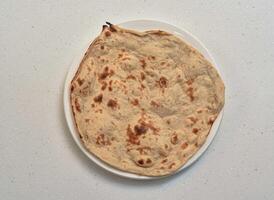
[(144, 102)]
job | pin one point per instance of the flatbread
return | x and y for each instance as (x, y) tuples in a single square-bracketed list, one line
[(144, 102)]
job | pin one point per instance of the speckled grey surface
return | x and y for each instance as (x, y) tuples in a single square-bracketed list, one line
[(39, 159)]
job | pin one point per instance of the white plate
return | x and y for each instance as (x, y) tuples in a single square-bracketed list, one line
[(139, 25)]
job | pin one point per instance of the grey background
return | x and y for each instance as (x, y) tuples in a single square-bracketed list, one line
[(39, 159)]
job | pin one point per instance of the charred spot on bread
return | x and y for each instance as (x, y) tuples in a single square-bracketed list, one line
[(112, 103), (98, 99)]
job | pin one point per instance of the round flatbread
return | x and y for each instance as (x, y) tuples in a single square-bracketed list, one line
[(144, 102)]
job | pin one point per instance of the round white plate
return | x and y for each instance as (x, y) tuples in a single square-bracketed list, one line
[(138, 25)]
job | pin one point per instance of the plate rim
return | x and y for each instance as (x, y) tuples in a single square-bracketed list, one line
[(183, 34)]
